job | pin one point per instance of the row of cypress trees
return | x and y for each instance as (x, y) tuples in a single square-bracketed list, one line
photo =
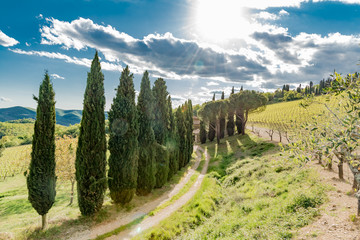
[(148, 143)]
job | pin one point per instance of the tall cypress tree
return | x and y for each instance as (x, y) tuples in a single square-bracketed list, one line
[(147, 164), (171, 142), (90, 161), (222, 119), (123, 141), (41, 180), (212, 132), (181, 133), (160, 110), (202, 132), (189, 128), (230, 126), (160, 126)]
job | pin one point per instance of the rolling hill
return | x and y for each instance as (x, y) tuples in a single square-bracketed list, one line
[(63, 117)]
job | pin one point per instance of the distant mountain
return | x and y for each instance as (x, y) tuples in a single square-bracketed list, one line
[(63, 117)]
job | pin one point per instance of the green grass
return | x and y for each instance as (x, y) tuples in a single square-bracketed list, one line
[(249, 193)]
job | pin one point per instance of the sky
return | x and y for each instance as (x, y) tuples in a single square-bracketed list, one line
[(200, 47)]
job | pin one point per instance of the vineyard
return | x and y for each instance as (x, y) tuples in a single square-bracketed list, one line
[(286, 115)]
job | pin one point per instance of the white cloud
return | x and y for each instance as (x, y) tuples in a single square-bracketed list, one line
[(56, 76), (27, 44), (4, 99), (283, 13), (212, 84), (78, 61), (40, 16), (7, 41), (266, 16)]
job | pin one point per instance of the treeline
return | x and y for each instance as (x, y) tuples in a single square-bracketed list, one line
[(224, 114), (148, 143), (285, 94)]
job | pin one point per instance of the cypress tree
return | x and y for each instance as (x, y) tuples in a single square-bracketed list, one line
[(147, 165), (222, 120), (190, 129), (162, 164), (181, 133), (41, 180), (212, 132), (90, 161), (202, 132), (171, 142), (230, 126), (160, 110), (123, 141)]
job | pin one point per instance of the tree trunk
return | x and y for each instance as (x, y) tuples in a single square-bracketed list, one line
[(218, 133), (329, 164), (319, 158), (355, 185), (44, 222), (72, 192), (280, 138), (341, 170)]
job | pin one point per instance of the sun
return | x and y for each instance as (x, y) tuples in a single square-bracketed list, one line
[(220, 20)]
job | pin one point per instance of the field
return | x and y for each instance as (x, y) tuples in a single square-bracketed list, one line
[(286, 114)]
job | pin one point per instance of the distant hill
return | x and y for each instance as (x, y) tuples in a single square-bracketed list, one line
[(63, 117)]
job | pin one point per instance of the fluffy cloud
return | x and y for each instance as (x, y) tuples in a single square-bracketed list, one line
[(56, 76), (271, 54), (7, 41)]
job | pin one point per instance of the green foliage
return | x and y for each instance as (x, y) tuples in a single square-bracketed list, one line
[(160, 110), (189, 129), (162, 164), (230, 126), (202, 132), (172, 142), (245, 102), (41, 180), (212, 112), (222, 119), (146, 163), (123, 141), (91, 151), (181, 134)]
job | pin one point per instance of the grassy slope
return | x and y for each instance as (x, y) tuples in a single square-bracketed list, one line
[(249, 193)]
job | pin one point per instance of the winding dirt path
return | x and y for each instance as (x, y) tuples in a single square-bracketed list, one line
[(166, 212), (127, 217)]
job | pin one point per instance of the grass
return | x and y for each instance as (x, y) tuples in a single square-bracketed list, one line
[(250, 192)]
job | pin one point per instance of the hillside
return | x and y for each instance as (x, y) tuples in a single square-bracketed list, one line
[(63, 117)]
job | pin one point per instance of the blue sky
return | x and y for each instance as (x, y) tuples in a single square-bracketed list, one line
[(199, 47)]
